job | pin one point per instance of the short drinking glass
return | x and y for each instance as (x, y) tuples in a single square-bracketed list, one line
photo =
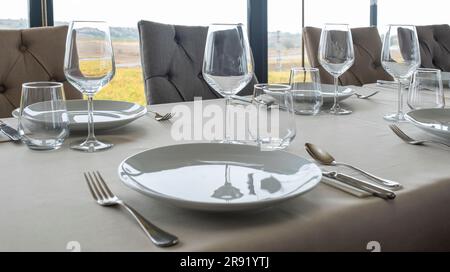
[(275, 116), (426, 90), (306, 90), (43, 120)]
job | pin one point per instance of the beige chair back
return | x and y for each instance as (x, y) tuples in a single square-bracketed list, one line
[(29, 55)]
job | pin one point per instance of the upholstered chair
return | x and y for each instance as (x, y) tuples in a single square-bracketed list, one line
[(172, 61), (29, 55), (367, 67), (434, 43)]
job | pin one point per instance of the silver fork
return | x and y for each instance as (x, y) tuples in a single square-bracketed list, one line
[(360, 96), (160, 117), (410, 140), (104, 197)]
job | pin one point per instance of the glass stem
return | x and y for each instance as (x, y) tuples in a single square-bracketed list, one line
[(400, 98), (227, 107), (91, 134), (336, 93)]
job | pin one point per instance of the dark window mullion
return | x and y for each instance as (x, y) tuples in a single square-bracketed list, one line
[(40, 13), (258, 31), (373, 13)]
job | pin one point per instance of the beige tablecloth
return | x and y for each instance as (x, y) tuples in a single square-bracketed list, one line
[(45, 203)]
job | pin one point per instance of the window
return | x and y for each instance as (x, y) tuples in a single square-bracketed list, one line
[(123, 17), (13, 14), (411, 12), (284, 38), (285, 28), (356, 13)]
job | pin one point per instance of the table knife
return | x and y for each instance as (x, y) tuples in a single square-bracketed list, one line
[(361, 184), (10, 132)]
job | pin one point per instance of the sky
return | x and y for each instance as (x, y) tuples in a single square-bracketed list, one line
[(284, 15)]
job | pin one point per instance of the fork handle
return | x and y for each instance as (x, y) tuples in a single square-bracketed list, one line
[(157, 235), (385, 182)]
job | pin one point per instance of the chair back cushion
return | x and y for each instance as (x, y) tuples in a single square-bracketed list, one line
[(367, 67), (30, 55), (172, 61), (434, 43)]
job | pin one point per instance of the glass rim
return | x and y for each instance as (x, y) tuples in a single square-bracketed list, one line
[(226, 24), (306, 69), (42, 84), (390, 25), (88, 21), (335, 24)]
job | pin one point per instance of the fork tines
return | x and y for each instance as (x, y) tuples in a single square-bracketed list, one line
[(97, 186), (400, 133)]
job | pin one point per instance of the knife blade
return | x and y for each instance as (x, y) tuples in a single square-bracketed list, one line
[(10, 132), (361, 184)]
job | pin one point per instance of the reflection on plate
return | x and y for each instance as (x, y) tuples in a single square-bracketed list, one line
[(434, 121), (219, 177), (107, 114)]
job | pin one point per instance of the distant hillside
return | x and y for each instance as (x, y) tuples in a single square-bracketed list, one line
[(13, 24), (117, 33), (277, 40)]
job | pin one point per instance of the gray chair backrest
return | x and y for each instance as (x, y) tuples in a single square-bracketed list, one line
[(172, 61), (434, 43), (367, 67)]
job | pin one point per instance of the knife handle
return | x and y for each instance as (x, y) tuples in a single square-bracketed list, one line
[(9, 132), (369, 187)]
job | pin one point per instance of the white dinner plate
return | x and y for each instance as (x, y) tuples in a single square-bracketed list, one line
[(219, 177), (107, 114), (328, 93), (434, 121)]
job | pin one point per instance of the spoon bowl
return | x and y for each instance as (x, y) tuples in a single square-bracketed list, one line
[(320, 155)]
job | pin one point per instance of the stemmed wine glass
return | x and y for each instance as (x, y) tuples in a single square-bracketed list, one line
[(400, 57), (228, 63), (89, 66), (336, 55)]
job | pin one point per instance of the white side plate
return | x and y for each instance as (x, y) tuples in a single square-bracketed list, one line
[(328, 93), (219, 177), (107, 114)]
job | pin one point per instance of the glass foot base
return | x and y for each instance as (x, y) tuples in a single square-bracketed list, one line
[(229, 142), (340, 111), (91, 146), (395, 117)]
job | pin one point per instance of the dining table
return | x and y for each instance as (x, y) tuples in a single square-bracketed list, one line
[(46, 204)]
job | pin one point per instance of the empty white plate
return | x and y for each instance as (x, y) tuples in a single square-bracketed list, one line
[(328, 93), (434, 121), (107, 114), (219, 177)]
